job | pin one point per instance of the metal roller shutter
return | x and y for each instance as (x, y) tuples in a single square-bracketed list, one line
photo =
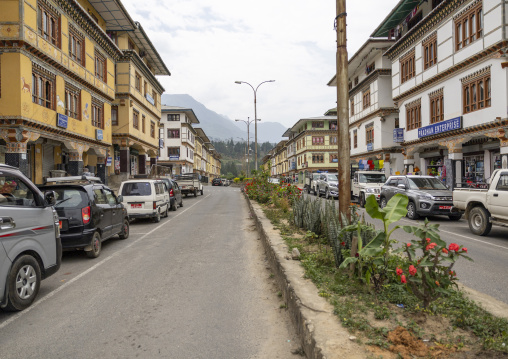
[(48, 161)]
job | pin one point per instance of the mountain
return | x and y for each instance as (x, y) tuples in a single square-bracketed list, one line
[(220, 127)]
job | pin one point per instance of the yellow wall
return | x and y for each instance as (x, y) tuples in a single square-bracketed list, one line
[(10, 102), (10, 10)]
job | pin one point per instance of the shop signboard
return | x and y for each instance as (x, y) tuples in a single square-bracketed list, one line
[(161, 143), (398, 135), (99, 135), (370, 147), (62, 120), (109, 160), (174, 157), (150, 99), (440, 127)]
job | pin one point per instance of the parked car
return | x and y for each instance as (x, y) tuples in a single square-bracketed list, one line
[(273, 180), (145, 198), (217, 182), (484, 207), (310, 182), (30, 248), (190, 183), (89, 213), (327, 184), (365, 184), (427, 196), (175, 194)]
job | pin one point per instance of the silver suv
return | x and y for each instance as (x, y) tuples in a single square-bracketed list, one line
[(30, 247), (427, 195), (327, 184)]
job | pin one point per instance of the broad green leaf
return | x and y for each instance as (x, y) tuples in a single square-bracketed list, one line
[(372, 208), (377, 242), (395, 209), (348, 261), (371, 252)]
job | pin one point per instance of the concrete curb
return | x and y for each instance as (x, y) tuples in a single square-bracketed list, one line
[(321, 335)]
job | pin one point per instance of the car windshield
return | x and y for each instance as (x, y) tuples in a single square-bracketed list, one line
[(136, 189), (426, 183), (371, 178), (315, 176), (332, 178), (70, 198)]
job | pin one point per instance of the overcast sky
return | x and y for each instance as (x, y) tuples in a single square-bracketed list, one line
[(208, 45)]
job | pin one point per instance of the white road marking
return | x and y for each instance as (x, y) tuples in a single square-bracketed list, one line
[(91, 269)]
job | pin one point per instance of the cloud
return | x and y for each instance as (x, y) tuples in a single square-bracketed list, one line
[(208, 45)]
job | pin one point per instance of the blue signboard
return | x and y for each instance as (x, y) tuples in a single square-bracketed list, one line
[(335, 160), (398, 135), (370, 147), (161, 143), (293, 165), (440, 127), (109, 160), (150, 99), (62, 120), (98, 135), (174, 157)]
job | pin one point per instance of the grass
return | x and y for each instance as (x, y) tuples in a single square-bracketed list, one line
[(454, 323)]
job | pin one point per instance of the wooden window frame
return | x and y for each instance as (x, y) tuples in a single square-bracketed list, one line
[(154, 96), (50, 31), (72, 102), (476, 93), (137, 81), (114, 121), (318, 158), (41, 82), (369, 134), (366, 99), (76, 43), (333, 140), (352, 107), (413, 116), (356, 80), (173, 117), (143, 123), (152, 129), (430, 52), (135, 119), (436, 108), (318, 140), (97, 115), (407, 66), (318, 124), (464, 32), (171, 130), (100, 65), (355, 138)]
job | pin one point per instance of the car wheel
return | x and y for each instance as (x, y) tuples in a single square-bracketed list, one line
[(96, 245), (124, 234), (24, 281), (308, 190), (166, 212), (362, 200), (181, 203), (315, 192), (455, 217), (411, 211), (157, 217), (383, 202), (201, 192), (479, 221), (173, 206), (318, 193), (195, 193)]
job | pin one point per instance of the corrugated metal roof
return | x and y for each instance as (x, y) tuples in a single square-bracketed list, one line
[(395, 17)]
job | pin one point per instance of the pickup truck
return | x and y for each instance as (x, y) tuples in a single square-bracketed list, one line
[(310, 182), (366, 183), (484, 207), (190, 183)]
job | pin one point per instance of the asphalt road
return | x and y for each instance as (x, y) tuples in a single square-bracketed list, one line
[(195, 285), (487, 274)]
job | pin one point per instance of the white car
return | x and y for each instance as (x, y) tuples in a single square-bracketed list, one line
[(145, 198)]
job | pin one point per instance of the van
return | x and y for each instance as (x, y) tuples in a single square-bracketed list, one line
[(145, 198), (30, 246)]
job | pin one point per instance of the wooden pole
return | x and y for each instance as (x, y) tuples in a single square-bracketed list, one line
[(344, 167)]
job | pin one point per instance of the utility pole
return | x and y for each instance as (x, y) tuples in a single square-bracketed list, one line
[(344, 165)]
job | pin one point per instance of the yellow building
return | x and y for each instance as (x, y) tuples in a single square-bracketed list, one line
[(57, 84)]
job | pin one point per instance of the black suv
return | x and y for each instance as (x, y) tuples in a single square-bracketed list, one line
[(217, 182), (89, 213), (175, 193)]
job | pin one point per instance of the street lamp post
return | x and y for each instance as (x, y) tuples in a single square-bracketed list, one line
[(248, 122), (255, 117)]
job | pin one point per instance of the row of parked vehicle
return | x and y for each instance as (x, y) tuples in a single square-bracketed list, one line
[(482, 207), (68, 213)]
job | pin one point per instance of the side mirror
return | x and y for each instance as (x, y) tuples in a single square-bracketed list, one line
[(402, 186), (50, 198), (119, 199)]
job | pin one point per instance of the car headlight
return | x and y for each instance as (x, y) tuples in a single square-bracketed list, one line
[(427, 197), (370, 190)]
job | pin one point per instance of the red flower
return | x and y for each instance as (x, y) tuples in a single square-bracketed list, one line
[(430, 246), (428, 240), (412, 270), (357, 255), (399, 271), (445, 251), (403, 279), (453, 247), (343, 244), (408, 245), (437, 283), (464, 249), (452, 273)]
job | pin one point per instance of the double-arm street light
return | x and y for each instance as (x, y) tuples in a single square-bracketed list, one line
[(248, 122), (255, 117)]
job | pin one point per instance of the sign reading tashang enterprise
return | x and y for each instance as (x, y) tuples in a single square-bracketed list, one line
[(440, 127)]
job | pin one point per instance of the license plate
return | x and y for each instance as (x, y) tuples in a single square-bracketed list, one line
[(445, 207), (136, 205)]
